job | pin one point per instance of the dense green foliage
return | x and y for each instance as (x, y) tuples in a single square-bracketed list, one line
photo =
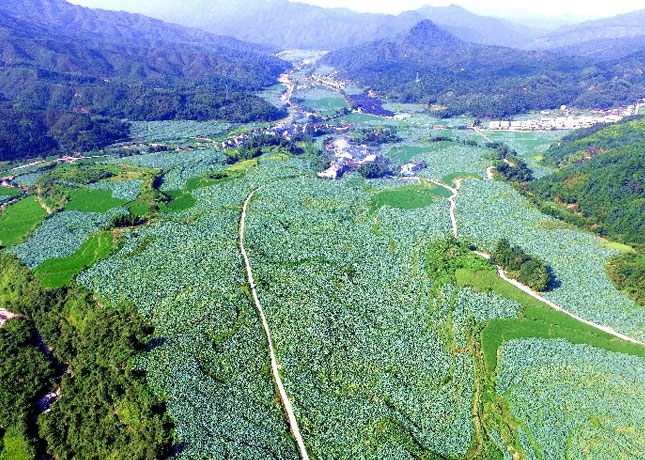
[(530, 271), (26, 374), (446, 257), (31, 133), (628, 272), (602, 184), (375, 169), (511, 165), (58, 79), (105, 409), (378, 136), (429, 65)]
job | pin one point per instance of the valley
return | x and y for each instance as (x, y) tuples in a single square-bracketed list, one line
[(300, 317), (419, 244)]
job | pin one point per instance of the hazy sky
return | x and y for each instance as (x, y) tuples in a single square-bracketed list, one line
[(578, 8)]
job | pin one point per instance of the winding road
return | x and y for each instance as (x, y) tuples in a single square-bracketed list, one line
[(286, 403), (517, 284)]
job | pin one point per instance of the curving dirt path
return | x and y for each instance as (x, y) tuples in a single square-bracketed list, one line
[(453, 202), (517, 284), (286, 403)]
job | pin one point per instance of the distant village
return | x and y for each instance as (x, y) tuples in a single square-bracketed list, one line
[(566, 121)]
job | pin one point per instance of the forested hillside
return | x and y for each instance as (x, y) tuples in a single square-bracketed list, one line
[(601, 179), (599, 184), (432, 66), (58, 59)]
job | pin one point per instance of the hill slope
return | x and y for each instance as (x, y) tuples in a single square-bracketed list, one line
[(616, 27), (601, 179), (61, 58), (485, 80)]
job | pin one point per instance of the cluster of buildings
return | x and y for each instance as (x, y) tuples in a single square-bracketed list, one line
[(348, 157), (411, 169), (567, 121), (329, 81)]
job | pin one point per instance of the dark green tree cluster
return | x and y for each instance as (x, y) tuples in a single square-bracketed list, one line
[(29, 134), (106, 409), (376, 169), (510, 165), (529, 270), (376, 137), (628, 272), (26, 375)]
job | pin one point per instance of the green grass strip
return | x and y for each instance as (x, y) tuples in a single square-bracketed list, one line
[(19, 220), (55, 273)]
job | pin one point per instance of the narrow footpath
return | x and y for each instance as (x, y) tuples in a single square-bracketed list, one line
[(517, 284), (286, 403)]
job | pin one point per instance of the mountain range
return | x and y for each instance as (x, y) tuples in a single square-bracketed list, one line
[(433, 66), (285, 24), (62, 61)]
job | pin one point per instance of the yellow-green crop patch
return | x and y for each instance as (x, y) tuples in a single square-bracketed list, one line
[(87, 200), (622, 248), (55, 273), (408, 197), (19, 220)]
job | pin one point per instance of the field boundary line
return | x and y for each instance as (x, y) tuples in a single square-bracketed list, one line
[(286, 403)]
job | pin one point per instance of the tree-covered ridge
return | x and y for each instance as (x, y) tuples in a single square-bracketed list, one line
[(103, 407), (62, 64), (432, 66), (586, 143), (604, 187)]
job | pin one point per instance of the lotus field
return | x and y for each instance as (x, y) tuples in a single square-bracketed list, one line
[(379, 359)]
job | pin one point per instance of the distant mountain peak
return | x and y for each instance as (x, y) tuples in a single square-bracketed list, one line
[(428, 33)]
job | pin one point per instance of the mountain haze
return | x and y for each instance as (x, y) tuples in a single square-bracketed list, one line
[(286, 24)]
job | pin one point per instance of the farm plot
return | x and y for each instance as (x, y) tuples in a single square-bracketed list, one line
[(323, 100), (577, 402), (61, 235), (529, 145), (368, 375), (178, 130), (273, 95), (93, 200), (19, 220), (488, 211), (126, 190), (186, 274), (446, 158), (55, 273)]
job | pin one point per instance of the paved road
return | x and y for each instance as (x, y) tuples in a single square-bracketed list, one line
[(286, 403)]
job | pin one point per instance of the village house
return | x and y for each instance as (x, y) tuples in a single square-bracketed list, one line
[(410, 169)]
